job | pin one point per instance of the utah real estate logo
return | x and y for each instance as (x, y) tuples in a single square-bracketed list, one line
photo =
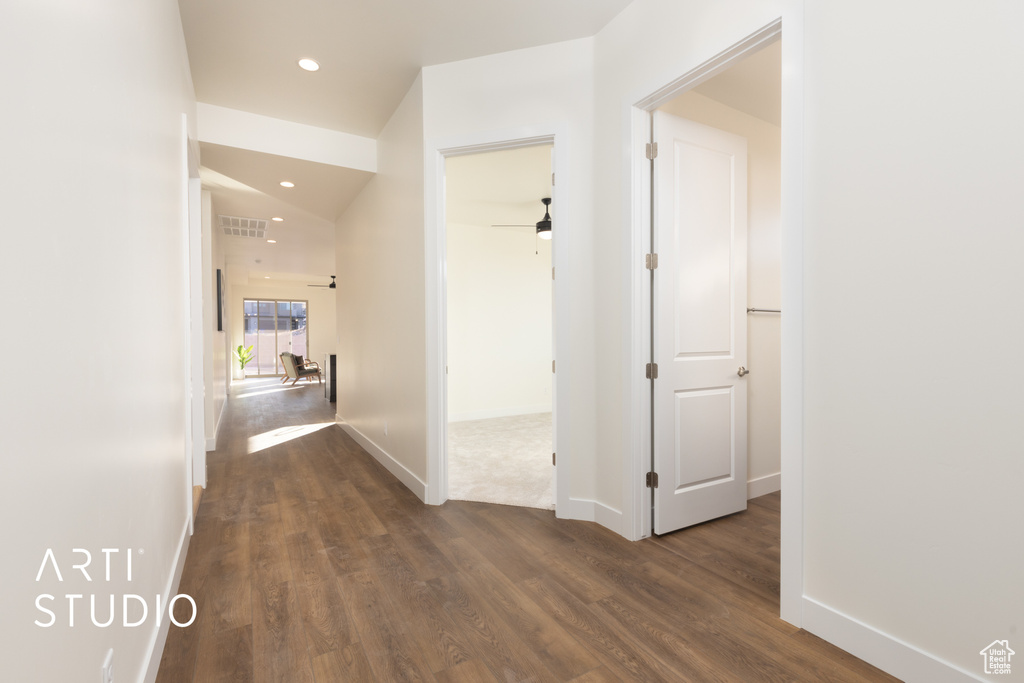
[(997, 657)]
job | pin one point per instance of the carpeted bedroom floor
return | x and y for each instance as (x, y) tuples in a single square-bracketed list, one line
[(504, 460)]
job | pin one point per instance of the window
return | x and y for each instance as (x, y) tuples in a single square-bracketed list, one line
[(273, 327)]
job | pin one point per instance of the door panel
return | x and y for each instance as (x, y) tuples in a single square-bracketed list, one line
[(703, 436), (700, 292), (702, 250)]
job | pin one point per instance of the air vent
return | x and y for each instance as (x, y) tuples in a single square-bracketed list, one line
[(236, 226)]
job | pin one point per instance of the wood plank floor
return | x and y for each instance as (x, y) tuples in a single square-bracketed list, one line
[(310, 562)]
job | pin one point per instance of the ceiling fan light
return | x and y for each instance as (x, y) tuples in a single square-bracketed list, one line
[(544, 226)]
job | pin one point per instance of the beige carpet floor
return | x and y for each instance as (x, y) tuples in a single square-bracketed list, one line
[(504, 460)]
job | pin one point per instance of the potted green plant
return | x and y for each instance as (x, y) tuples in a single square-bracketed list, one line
[(244, 356)]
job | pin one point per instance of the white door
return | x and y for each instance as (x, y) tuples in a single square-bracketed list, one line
[(700, 323)]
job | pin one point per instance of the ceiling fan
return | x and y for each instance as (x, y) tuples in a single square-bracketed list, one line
[(543, 226), (333, 285)]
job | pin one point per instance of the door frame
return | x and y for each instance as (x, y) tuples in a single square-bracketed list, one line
[(435, 247), (636, 496), (195, 390)]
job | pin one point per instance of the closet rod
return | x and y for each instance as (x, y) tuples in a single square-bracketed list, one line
[(763, 310)]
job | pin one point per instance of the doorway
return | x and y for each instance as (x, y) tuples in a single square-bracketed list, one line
[(438, 152), (717, 293), (499, 327), (790, 293)]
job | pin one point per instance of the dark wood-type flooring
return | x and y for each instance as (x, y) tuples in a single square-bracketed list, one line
[(310, 562)]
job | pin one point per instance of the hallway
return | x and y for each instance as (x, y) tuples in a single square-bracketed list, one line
[(310, 562)]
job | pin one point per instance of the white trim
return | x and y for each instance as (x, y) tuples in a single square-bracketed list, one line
[(636, 496), (190, 328), (593, 511), (197, 325), (245, 130), (637, 506), (499, 412), (211, 442), (435, 152), (401, 472), (159, 637), (609, 518), (792, 360), (878, 648), (762, 486)]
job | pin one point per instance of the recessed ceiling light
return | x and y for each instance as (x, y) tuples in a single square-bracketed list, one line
[(287, 183), (271, 241), (277, 218), (309, 64), (266, 277)]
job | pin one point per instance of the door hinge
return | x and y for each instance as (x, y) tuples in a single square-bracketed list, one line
[(651, 261), (552, 366), (652, 480), (552, 458), (552, 179), (651, 151), (552, 273), (652, 371)]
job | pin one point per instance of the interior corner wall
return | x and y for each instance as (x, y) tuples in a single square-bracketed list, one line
[(912, 501), (499, 322), (764, 258), (93, 184), (215, 344), (530, 89), (380, 303)]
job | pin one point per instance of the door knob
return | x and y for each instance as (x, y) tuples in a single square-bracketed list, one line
[(742, 371)]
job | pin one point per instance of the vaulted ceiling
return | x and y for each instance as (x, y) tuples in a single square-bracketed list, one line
[(243, 55)]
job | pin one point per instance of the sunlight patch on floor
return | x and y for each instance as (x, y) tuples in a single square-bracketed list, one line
[(275, 437), (271, 391)]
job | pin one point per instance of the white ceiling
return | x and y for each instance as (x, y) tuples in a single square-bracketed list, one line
[(246, 184), (753, 86), (498, 188), (243, 53)]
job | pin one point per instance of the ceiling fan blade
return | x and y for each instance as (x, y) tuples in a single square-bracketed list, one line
[(333, 285)]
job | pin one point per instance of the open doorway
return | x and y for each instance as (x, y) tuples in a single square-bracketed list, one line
[(499, 327), (717, 293), (790, 267)]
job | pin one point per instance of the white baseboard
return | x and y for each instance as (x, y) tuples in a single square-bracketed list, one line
[(159, 637), (211, 441), (762, 486), (411, 481), (499, 412), (889, 654), (591, 511)]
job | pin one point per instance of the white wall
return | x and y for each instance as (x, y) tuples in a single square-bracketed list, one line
[(499, 322), (506, 95), (381, 337), (913, 285), (93, 408), (764, 254), (321, 316), (217, 354)]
